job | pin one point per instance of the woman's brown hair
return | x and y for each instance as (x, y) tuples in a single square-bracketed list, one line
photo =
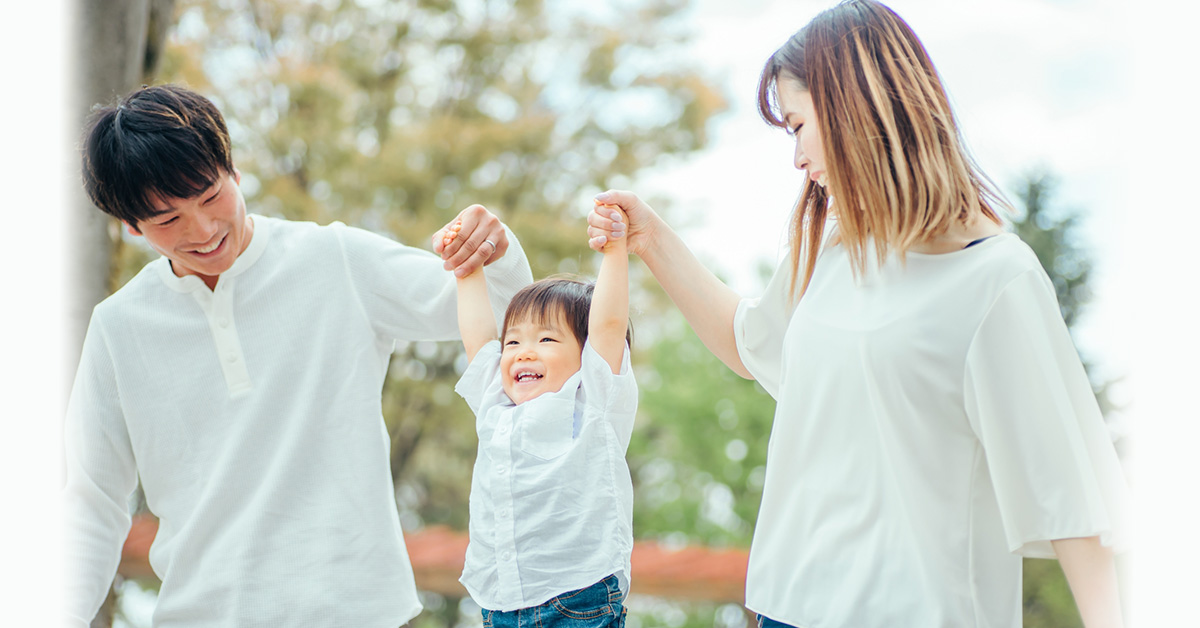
[(898, 172)]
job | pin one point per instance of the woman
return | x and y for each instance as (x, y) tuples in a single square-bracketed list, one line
[(933, 421)]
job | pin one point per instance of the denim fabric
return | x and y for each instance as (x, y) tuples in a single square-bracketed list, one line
[(598, 606), (767, 622)]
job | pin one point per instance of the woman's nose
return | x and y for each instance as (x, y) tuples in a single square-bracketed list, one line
[(800, 161)]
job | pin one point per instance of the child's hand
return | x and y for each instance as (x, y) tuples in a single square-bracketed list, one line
[(473, 239), (617, 226), (639, 226), (450, 232)]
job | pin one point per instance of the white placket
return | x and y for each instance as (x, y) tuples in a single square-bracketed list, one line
[(218, 309), (502, 502)]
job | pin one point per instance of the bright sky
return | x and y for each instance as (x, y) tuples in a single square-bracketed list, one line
[(1034, 83), (1094, 90)]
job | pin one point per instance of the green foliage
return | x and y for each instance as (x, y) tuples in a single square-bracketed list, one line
[(1053, 234), (1053, 237), (699, 451), (1047, 598), (394, 116)]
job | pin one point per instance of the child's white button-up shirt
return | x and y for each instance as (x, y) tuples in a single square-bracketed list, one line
[(551, 497)]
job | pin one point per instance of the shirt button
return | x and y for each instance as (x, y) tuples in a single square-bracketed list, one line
[(503, 514), (223, 322), (231, 358), (503, 430), (506, 556)]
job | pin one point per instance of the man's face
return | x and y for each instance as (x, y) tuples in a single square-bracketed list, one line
[(202, 235)]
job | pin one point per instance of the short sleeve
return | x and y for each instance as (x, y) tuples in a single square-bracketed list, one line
[(480, 384), (613, 396), (759, 325), (1052, 463)]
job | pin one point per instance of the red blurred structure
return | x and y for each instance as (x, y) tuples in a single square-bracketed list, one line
[(690, 573)]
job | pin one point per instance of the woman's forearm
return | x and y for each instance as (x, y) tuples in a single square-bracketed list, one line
[(1092, 574)]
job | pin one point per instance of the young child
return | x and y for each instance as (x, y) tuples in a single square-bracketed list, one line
[(551, 498), (238, 378)]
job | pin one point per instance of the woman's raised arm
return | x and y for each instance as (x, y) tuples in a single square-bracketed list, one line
[(706, 302)]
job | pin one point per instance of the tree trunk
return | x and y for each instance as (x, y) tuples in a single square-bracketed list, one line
[(117, 44), (109, 54)]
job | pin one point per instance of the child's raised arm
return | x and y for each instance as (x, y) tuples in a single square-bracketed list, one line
[(608, 318), (475, 322)]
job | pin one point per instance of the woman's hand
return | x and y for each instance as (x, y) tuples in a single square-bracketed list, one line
[(479, 240), (639, 231)]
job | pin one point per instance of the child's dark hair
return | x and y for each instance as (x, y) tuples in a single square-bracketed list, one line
[(543, 300), (164, 141)]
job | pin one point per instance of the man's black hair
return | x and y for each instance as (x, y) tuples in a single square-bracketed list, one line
[(160, 142)]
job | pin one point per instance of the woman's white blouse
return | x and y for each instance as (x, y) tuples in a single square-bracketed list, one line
[(933, 425), (551, 501)]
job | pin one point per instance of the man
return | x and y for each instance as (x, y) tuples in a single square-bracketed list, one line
[(239, 378)]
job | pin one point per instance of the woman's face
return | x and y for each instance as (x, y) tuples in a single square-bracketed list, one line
[(796, 109)]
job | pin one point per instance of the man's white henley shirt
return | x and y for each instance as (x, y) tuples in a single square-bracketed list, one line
[(252, 416)]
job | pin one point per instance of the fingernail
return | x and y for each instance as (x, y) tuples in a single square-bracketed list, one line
[(616, 216), (618, 234), (603, 196)]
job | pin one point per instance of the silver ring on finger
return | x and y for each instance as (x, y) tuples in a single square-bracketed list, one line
[(491, 243)]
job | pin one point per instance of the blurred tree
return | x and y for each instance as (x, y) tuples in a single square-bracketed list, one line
[(395, 116), (115, 47), (1052, 233)]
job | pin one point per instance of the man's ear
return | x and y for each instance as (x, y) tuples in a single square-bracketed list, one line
[(132, 229), (237, 176)]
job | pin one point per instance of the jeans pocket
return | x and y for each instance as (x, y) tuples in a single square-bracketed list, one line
[(589, 603)]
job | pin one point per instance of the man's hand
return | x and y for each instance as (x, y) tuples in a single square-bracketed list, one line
[(473, 239)]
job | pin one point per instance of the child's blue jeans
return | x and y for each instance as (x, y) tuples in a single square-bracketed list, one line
[(767, 622), (598, 606)]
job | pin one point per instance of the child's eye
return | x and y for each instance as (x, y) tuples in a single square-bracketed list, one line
[(548, 339), (168, 221), (510, 343)]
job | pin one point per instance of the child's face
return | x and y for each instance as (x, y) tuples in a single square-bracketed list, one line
[(203, 235), (538, 358)]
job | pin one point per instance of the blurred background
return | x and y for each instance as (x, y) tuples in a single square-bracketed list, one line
[(393, 116)]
